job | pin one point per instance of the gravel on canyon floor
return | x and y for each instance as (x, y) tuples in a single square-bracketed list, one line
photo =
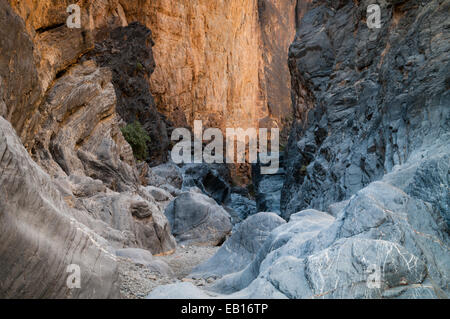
[(137, 281)]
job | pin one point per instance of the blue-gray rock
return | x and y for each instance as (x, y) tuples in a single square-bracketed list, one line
[(197, 219), (365, 99), (40, 236), (240, 249)]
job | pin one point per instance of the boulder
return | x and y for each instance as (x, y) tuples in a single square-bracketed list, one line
[(301, 228), (165, 174), (241, 248), (159, 194), (381, 233), (197, 219), (139, 220), (384, 243)]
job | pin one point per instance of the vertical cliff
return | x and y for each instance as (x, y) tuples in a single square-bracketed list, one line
[(222, 62), (366, 100)]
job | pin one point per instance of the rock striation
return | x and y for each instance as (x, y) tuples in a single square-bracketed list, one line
[(241, 248), (367, 164), (41, 236), (197, 219), (366, 100)]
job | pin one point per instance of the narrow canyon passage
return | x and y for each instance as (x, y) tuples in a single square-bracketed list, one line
[(109, 189)]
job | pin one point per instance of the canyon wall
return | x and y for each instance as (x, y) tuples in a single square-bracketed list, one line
[(366, 100), (67, 92), (209, 63), (223, 62)]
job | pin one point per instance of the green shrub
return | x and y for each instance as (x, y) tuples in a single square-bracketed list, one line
[(137, 137)]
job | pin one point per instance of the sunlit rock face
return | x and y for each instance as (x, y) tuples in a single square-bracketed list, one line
[(221, 62), (209, 63), (277, 19)]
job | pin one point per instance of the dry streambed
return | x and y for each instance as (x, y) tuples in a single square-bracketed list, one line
[(137, 280)]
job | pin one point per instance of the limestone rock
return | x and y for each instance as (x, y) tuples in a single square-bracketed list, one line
[(163, 174), (80, 133), (40, 237), (364, 99), (197, 219), (127, 52), (140, 220), (383, 244), (241, 248)]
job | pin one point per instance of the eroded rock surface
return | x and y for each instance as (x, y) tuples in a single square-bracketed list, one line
[(241, 248), (40, 237), (127, 52), (366, 100), (197, 219)]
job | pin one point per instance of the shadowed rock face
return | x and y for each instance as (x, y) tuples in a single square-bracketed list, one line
[(278, 19), (365, 100), (40, 237), (127, 51), (198, 219)]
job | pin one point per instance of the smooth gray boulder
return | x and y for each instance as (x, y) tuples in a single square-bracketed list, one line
[(241, 248), (384, 243), (381, 229), (37, 225), (197, 219), (167, 173), (139, 220), (145, 258), (301, 228)]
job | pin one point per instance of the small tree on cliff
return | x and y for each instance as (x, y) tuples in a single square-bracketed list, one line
[(138, 138)]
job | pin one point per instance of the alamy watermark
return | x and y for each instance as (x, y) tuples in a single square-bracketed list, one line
[(374, 278), (189, 150), (374, 16), (74, 279), (74, 19)]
